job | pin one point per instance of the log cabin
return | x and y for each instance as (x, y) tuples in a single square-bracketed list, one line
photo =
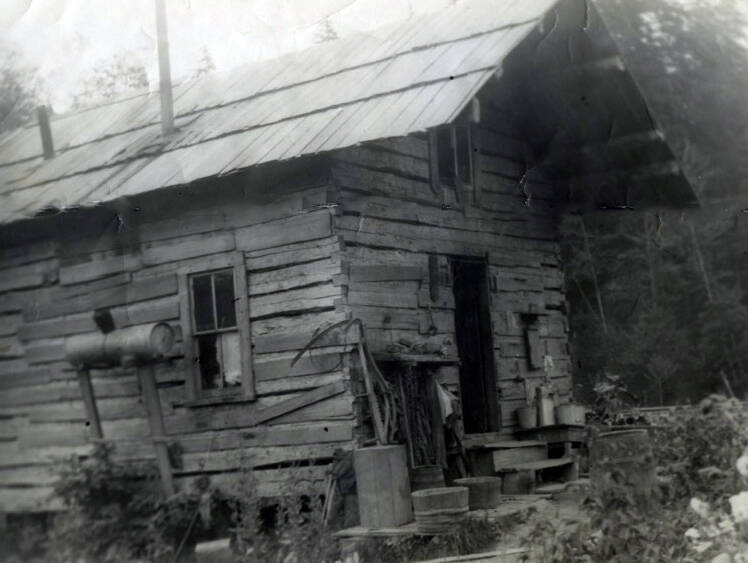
[(411, 178)]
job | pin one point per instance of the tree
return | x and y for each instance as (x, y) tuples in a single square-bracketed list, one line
[(18, 96), (206, 64), (112, 78), (325, 32)]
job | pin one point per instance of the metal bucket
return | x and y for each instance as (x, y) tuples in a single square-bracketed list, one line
[(527, 417), (570, 414), (546, 414)]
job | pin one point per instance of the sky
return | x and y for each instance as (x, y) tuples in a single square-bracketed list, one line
[(65, 39)]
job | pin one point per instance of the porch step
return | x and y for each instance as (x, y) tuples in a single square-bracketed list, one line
[(538, 465), (486, 454)]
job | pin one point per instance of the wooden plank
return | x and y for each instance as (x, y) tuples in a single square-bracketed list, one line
[(32, 275), (295, 403), (380, 317), (243, 322), (297, 253), (24, 378), (28, 500), (294, 300), (251, 457), (85, 288), (13, 455), (28, 476), (407, 298), (9, 324), (11, 256), (98, 268), (45, 353), (295, 276), (65, 326), (268, 370), (302, 227), (283, 342), (296, 383), (409, 146), (66, 390), (290, 435), (373, 273), (382, 183), (535, 465), (377, 159), (10, 348), (53, 434), (141, 290), (188, 247), (204, 419), (266, 484), (70, 411), (140, 313)]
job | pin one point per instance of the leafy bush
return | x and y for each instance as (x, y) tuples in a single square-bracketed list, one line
[(290, 528), (697, 451), (116, 512), (471, 536)]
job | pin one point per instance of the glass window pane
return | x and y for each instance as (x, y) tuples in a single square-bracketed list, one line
[(231, 359), (207, 358), (445, 156), (462, 138), (202, 303), (225, 304)]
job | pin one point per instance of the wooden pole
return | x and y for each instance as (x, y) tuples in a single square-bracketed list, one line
[(156, 422), (598, 297), (89, 403), (164, 71)]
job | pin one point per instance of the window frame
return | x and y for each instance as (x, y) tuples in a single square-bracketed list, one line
[(462, 189), (194, 391)]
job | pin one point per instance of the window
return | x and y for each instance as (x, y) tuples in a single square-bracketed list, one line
[(451, 164), (215, 328)]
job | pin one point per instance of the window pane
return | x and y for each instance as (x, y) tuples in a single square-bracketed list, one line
[(202, 302), (463, 155), (231, 359), (445, 156), (207, 358), (225, 305)]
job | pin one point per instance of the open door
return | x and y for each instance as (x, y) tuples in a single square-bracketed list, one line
[(480, 409)]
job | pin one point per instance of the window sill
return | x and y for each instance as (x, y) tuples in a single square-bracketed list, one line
[(214, 400)]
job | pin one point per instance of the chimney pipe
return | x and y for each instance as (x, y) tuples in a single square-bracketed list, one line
[(48, 147), (164, 71)]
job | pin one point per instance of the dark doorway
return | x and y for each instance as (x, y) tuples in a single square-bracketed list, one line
[(475, 346)]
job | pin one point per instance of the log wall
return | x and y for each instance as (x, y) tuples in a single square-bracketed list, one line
[(394, 224), (49, 290)]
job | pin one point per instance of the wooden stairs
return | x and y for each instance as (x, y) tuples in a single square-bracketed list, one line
[(523, 464)]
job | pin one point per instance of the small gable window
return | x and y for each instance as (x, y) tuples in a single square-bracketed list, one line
[(215, 328), (451, 161)]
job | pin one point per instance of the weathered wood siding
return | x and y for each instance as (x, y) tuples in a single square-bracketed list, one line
[(392, 221), (49, 290)]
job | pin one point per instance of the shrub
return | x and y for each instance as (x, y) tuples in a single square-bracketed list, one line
[(116, 512), (472, 535), (697, 451)]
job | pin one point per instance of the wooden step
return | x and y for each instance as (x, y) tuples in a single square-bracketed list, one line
[(474, 443), (509, 456), (534, 465)]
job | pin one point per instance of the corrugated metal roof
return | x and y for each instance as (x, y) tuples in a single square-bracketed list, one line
[(396, 80)]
